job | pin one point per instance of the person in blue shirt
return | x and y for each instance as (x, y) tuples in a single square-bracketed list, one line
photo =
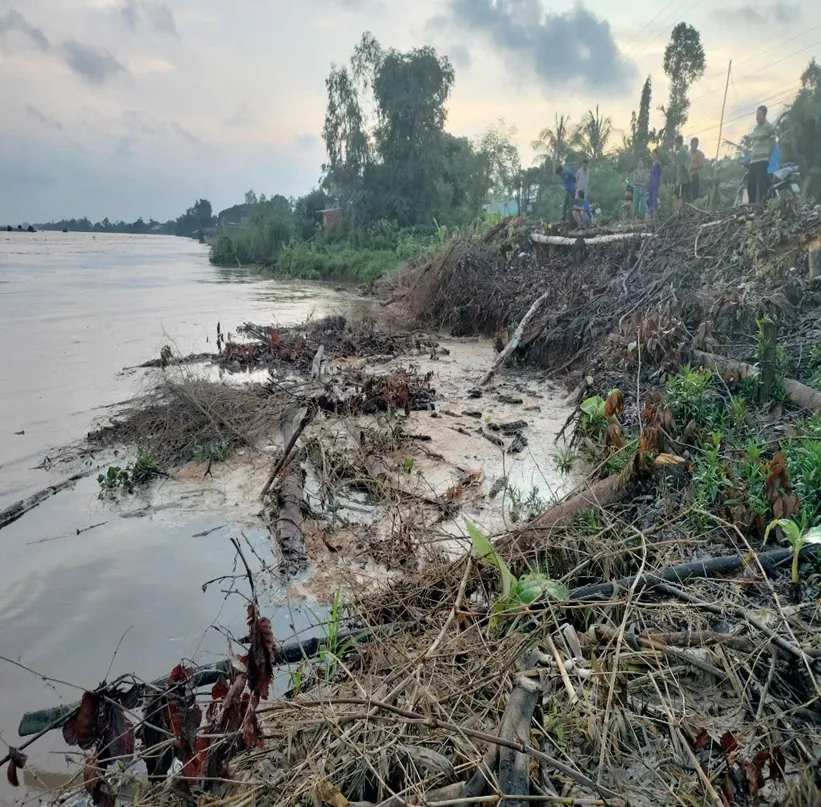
[(581, 211), (569, 182)]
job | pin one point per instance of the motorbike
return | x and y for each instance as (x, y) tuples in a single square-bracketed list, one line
[(783, 183)]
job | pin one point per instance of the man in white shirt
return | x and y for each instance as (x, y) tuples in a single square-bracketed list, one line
[(583, 177)]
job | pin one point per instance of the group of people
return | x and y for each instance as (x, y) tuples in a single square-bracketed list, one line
[(688, 164), (576, 199)]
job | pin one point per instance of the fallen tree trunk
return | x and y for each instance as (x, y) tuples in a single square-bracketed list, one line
[(800, 394), (566, 241), (19, 509), (290, 521), (602, 493), (514, 342), (289, 447)]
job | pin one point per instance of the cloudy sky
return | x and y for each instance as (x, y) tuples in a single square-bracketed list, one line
[(127, 108)]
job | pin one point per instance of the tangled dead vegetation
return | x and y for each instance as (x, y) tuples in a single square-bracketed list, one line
[(700, 274), (183, 414)]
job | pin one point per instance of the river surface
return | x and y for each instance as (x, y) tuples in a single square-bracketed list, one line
[(75, 310)]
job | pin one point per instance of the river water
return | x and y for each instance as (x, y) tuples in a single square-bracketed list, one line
[(75, 309)]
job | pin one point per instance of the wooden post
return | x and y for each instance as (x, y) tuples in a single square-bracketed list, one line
[(767, 361), (715, 199)]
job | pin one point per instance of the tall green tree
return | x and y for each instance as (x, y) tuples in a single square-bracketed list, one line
[(501, 156), (410, 90), (593, 134), (684, 64), (553, 143), (640, 124), (345, 140), (800, 130)]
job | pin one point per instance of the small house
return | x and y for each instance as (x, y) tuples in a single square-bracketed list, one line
[(331, 218)]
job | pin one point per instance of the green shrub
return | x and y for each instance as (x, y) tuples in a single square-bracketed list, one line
[(690, 397)]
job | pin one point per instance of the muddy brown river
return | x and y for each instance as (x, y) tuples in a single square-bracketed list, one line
[(77, 604)]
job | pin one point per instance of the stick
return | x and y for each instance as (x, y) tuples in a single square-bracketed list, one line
[(19, 509), (800, 394), (514, 767), (514, 342), (309, 416)]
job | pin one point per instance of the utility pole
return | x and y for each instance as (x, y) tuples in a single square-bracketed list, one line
[(720, 132)]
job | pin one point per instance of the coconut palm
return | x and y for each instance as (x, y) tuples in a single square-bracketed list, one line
[(592, 135), (552, 144)]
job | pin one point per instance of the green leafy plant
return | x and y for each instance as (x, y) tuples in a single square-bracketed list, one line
[(797, 537), (146, 466), (533, 503), (212, 452), (517, 593), (737, 411), (710, 478), (564, 460), (689, 396), (594, 422), (335, 645), (114, 478)]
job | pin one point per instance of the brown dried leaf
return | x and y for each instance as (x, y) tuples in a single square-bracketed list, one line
[(614, 436), (261, 653), (81, 729), (11, 775), (330, 794), (614, 405)]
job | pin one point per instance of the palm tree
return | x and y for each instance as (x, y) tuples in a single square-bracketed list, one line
[(552, 144), (593, 134)]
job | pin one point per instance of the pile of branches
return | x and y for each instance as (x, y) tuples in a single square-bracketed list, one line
[(296, 347), (179, 415), (722, 268)]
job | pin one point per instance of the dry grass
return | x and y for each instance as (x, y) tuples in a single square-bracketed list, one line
[(183, 413)]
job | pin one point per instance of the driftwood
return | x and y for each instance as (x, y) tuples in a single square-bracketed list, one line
[(566, 241), (289, 447), (19, 509), (289, 527), (800, 394), (290, 653), (516, 339)]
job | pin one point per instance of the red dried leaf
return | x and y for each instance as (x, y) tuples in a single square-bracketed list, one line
[(251, 734), (11, 775), (178, 675), (81, 729), (728, 742), (260, 654), (275, 339), (702, 740), (218, 693)]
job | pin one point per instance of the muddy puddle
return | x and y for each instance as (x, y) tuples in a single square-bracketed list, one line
[(92, 587)]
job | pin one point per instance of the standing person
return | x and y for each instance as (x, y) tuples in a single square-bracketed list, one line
[(583, 177), (681, 165), (763, 146), (655, 184), (581, 211), (640, 179), (697, 164), (569, 182)]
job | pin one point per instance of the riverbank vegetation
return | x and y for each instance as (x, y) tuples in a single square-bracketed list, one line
[(393, 168)]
